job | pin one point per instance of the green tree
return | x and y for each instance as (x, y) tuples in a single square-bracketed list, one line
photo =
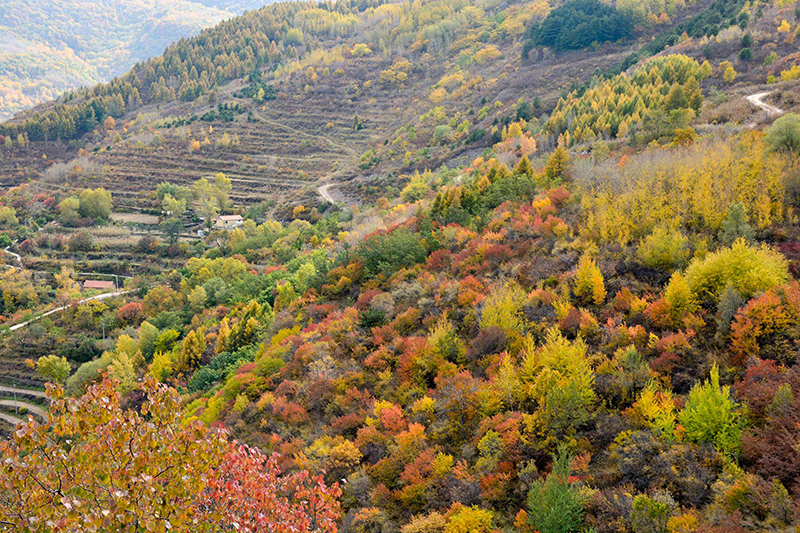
[(556, 505), (174, 207), (736, 226), (415, 190), (172, 229), (68, 211), (212, 196)]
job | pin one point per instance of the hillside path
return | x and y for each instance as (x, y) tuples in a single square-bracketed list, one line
[(757, 100), (103, 296), (29, 392), (323, 191), (12, 419), (29, 406)]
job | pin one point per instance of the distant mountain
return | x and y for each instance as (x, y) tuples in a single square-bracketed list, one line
[(49, 47)]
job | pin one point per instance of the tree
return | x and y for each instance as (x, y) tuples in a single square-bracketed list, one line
[(160, 299), (173, 207), (710, 415), (172, 229), (555, 505), (130, 312), (664, 248), (736, 226), (211, 197), (95, 204), (94, 466), (729, 75), (68, 211), (784, 134), (53, 368), (589, 286), (192, 349), (556, 166), (745, 54), (579, 23)]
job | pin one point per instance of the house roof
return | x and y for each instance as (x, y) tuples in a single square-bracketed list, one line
[(97, 284), (232, 218)]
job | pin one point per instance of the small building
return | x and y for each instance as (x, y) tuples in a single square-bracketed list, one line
[(228, 221), (97, 284)]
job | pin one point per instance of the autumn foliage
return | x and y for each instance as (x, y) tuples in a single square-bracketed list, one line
[(95, 465)]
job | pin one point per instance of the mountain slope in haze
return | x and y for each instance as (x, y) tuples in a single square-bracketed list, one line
[(49, 47)]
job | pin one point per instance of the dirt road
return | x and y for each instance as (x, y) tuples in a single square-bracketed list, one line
[(757, 100)]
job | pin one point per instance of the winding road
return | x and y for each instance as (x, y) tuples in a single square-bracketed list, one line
[(757, 100), (323, 192)]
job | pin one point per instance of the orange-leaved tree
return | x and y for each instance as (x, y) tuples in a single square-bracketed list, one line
[(94, 465)]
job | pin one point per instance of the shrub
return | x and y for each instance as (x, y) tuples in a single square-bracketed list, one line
[(749, 269), (652, 514), (81, 242), (664, 248), (469, 520), (784, 134), (388, 252), (710, 415)]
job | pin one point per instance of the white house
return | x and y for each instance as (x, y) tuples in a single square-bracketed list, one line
[(228, 221)]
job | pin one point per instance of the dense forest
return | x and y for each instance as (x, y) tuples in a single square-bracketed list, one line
[(495, 298)]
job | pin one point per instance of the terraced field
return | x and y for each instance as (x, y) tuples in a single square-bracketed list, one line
[(16, 405)]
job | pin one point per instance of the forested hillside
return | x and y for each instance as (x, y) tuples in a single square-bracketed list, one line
[(49, 47), (487, 267)]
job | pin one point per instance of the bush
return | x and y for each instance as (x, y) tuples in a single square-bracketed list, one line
[(784, 134), (81, 242), (749, 269), (710, 415), (651, 515), (387, 253), (664, 249)]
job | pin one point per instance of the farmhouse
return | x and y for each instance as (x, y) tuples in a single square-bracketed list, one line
[(228, 221)]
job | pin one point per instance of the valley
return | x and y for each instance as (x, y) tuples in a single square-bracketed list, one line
[(379, 266)]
